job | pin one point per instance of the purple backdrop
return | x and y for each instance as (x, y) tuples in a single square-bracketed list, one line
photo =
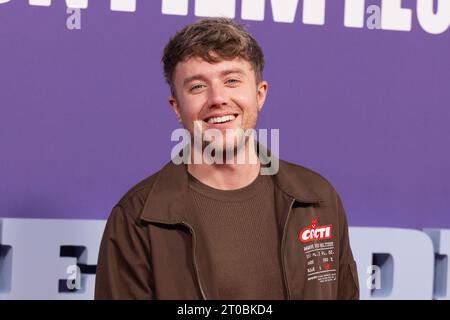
[(83, 113)]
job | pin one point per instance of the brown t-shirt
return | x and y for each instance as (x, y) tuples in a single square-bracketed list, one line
[(241, 230)]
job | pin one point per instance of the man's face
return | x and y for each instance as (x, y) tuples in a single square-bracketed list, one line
[(221, 95)]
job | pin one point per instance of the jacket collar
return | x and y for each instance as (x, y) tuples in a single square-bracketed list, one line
[(169, 199)]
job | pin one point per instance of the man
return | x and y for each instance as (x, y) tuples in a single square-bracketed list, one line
[(206, 230)]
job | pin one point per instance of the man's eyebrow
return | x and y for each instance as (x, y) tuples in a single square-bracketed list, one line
[(192, 78), (229, 71)]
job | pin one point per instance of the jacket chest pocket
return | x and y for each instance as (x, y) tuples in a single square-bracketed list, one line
[(311, 255)]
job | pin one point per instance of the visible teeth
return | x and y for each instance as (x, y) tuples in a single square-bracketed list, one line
[(222, 119)]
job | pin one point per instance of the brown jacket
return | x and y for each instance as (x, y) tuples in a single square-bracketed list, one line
[(151, 250)]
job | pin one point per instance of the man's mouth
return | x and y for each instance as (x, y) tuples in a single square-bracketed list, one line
[(221, 119)]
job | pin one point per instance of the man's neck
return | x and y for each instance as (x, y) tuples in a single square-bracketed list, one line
[(228, 176)]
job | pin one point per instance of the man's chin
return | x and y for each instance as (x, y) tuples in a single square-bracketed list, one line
[(234, 145)]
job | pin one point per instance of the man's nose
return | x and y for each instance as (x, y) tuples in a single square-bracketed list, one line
[(217, 95)]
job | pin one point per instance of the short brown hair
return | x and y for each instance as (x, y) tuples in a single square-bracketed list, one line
[(213, 40)]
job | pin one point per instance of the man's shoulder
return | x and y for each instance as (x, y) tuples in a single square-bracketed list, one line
[(304, 172), (312, 180), (133, 201)]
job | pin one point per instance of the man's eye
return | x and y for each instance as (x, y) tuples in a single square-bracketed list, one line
[(232, 81), (196, 87)]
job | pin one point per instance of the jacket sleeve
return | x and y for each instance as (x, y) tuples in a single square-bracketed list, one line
[(348, 286), (123, 267)]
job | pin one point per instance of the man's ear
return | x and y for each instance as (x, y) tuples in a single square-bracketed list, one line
[(261, 94), (174, 104)]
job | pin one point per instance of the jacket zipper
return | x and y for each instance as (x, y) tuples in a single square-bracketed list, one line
[(282, 251), (194, 259)]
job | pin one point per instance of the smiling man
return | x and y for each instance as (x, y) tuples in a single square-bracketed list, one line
[(223, 230)]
